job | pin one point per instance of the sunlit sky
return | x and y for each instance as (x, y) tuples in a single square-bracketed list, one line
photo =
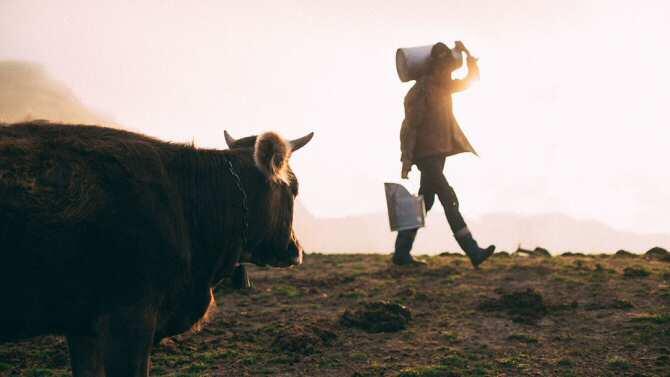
[(571, 113)]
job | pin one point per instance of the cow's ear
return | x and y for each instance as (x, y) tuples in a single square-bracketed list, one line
[(271, 154), (230, 141)]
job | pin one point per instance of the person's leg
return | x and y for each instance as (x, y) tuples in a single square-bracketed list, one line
[(403, 245), (405, 238), (427, 189), (433, 170)]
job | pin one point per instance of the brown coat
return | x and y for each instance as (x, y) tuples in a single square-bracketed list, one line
[(430, 127)]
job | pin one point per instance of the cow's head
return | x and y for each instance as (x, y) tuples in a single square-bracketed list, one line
[(274, 187)]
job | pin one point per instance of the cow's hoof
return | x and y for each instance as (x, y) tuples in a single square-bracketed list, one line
[(241, 278)]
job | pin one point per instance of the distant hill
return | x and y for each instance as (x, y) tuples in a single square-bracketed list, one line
[(28, 93), (556, 232)]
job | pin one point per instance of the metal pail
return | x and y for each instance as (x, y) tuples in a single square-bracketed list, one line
[(412, 62), (405, 210)]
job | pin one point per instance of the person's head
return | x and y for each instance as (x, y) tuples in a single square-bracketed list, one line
[(443, 60)]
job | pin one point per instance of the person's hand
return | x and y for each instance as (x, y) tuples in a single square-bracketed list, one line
[(460, 46), (406, 167)]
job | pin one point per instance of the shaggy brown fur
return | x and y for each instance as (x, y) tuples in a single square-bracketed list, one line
[(271, 155), (115, 239)]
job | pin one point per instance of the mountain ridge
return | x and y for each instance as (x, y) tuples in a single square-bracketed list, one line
[(27, 92), (556, 232)]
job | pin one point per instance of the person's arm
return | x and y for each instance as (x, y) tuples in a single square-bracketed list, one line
[(473, 75), (407, 142), (414, 113)]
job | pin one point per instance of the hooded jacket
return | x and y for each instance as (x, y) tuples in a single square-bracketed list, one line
[(430, 127)]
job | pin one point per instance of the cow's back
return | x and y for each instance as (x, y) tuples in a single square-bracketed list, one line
[(86, 217)]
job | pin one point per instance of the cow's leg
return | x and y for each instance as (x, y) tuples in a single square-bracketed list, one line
[(86, 355), (129, 340)]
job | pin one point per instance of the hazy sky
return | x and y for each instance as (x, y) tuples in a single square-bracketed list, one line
[(570, 115)]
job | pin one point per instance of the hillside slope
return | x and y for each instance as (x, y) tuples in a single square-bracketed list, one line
[(27, 92)]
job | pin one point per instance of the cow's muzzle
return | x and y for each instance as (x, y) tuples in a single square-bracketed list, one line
[(291, 256)]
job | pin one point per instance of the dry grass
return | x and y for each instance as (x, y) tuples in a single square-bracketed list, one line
[(597, 322)]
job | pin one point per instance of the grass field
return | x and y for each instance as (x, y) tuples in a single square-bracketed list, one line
[(517, 316)]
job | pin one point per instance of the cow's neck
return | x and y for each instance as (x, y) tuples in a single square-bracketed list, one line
[(212, 210)]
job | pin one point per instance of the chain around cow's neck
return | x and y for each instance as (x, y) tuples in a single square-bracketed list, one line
[(245, 209)]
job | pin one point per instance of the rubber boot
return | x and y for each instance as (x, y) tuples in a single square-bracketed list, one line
[(403, 246), (476, 254)]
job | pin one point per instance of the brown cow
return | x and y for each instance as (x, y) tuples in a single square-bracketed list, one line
[(115, 239)]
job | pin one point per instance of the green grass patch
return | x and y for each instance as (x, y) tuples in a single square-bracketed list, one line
[(663, 360), (618, 363), (170, 360), (658, 319), (454, 364), (449, 336), (197, 367), (5, 367), (513, 362), (287, 291), (635, 272), (523, 338), (455, 361), (427, 371), (355, 294), (329, 363), (41, 372), (359, 356), (211, 357), (568, 280), (565, 363), (250, 359)]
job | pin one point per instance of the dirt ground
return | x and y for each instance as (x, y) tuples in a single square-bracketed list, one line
[(516, 316)]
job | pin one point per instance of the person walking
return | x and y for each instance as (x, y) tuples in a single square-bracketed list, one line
[(429, 134)]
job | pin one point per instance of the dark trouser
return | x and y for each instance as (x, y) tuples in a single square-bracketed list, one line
[(432, 182)]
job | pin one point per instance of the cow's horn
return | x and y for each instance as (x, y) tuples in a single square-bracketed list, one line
[(229, 139), (299, 143)]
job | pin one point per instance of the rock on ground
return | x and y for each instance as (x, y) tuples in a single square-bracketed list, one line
[(376, 317), (525, 306), (658, 253)]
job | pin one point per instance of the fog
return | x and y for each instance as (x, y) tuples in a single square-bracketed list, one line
[(569, 116)]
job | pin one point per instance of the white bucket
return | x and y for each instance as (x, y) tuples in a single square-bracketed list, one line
[(405, 210), (412, 62)]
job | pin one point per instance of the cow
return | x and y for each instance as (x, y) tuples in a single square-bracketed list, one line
[(115, 239)]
